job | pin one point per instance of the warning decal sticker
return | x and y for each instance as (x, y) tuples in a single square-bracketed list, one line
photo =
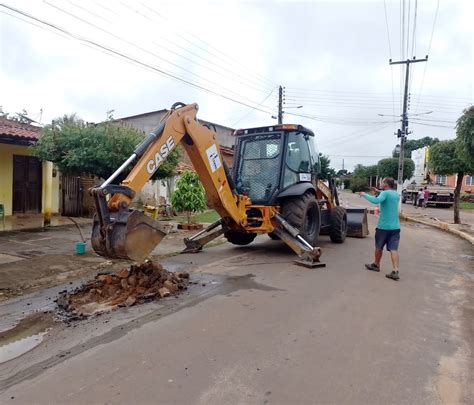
[(213, 157)]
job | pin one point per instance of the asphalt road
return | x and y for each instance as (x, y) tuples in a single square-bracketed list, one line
[(267, 331)]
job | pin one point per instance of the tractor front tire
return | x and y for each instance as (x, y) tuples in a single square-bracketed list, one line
[(272, 236), (303, 213), (239, 238), (338, 225)]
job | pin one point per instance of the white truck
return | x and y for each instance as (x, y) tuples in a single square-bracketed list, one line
[(440, 196)]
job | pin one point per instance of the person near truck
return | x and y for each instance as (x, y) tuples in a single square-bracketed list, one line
[(387, 232), (426, 194), (421, 198)]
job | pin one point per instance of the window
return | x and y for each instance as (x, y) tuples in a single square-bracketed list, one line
[(314, 154), (469, 180), (297, 158), (258, 169), (440, 180)]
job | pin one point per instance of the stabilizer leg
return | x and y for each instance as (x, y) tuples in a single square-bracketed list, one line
[(195, 243)]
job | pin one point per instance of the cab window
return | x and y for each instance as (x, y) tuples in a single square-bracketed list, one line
[(297, 159)]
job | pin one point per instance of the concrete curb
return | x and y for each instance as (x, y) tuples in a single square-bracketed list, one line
[(440, 225)]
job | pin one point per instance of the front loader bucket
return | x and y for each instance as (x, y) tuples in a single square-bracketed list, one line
[(129, 235), (357, 226)]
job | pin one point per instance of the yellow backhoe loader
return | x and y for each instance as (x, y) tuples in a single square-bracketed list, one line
[(273, 188)]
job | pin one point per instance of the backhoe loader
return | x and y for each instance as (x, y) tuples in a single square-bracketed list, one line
[(273, 188)]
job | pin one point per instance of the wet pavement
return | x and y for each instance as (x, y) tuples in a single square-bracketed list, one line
[(256, 328)]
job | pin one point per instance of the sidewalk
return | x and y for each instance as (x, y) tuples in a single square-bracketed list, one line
[(465, 231), (36, 221)]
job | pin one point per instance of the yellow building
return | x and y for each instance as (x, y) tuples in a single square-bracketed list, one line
[(27, 185)]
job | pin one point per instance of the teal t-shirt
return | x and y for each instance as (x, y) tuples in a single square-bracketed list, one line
[(388, 200)]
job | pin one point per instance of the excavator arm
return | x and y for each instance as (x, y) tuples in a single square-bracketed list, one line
[(121, 232)]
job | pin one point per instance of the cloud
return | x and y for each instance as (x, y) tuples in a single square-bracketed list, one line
[(338, 51)]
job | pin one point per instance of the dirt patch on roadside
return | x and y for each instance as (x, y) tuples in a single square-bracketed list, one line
[(134, 285)]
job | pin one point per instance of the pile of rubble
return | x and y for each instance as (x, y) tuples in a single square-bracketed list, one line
[(138, 284)]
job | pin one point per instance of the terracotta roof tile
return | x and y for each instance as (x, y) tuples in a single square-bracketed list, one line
[(18, 130)]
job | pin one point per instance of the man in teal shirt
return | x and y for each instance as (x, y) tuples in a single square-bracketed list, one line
[(387, 232)]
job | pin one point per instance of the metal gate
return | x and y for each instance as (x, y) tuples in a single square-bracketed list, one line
[(72, 194)]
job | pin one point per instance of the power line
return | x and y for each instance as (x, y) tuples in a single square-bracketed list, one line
[(432, 120), (316, 93), (337, 121), (225, 68), (359, 156), (408, 29), (140, 48), (388, 31), (359, 134), (126, 57), (258, 105), (413, 44), (433, 125), (88, 11), (234, 61), (390, 53), (429, 48)]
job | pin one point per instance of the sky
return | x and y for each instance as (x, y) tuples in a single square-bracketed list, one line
[(331, 57)]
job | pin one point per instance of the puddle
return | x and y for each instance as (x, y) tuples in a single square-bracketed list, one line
[(25, 336)]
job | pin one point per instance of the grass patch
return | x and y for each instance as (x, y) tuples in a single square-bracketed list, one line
[(203, 217), (467, 205)]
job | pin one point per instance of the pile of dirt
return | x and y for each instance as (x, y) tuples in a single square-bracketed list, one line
[(134, 285)]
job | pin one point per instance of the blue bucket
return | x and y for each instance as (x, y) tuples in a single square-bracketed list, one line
[(81, 248)]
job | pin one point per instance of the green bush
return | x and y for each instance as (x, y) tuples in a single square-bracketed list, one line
[(189, 196), (358, 184)]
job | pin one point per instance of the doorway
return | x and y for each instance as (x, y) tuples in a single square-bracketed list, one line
[(27, 176)]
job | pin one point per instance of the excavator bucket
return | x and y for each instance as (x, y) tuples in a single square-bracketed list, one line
[(130, 234), (357, 226)]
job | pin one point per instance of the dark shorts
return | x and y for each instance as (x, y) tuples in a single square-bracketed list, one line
[(389, 238)]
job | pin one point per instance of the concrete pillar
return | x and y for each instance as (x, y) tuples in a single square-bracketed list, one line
[(48, 193)]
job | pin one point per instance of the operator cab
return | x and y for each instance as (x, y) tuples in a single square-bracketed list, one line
[(272, 160)]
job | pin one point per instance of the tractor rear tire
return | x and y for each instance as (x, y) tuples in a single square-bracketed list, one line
[(239, 238), (338, 225), (303, 213)]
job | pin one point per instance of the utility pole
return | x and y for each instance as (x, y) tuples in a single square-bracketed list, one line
[(280, 105), (403, 131)]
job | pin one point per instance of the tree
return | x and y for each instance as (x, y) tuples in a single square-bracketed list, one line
[(342, 172), (445, 160), (78, 147), (456, 156), (358, 184), (465, 135), (362, 171), (389, 168), (326, 171), (414, 144), (189, 196)]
